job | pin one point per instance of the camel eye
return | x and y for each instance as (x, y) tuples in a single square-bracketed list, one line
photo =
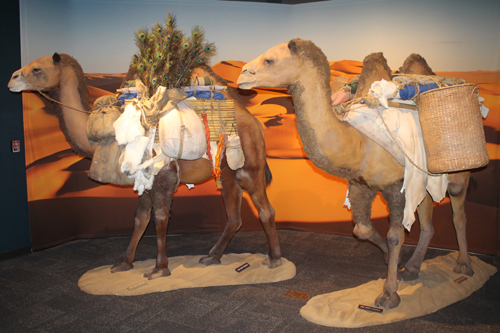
[(268, 62), (36, 70)]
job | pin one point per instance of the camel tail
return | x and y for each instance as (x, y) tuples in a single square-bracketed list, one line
[(269, 175)]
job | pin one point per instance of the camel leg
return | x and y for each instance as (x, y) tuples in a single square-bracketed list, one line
[(161, 194), (412, 267), (389, 298), (233, 183), (231, 195), (361, 200), (457, 189), (142, 217), (257, 191)]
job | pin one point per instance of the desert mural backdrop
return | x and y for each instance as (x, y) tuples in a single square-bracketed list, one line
[(65, 204)]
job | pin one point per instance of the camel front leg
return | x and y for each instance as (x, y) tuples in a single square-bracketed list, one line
[(162, 192), (361, 198), (231, 195), (457, 189), (142, 218), (389, 297), (412, 267)]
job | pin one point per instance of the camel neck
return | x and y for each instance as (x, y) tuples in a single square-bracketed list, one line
[(73, 123), (328, 142)]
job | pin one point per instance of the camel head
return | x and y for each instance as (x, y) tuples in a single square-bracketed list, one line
[(279, 67), (43, 73)]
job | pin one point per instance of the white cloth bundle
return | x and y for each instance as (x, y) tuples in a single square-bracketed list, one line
[(182, 122), (138, 144), (234, 152), (405, 127)]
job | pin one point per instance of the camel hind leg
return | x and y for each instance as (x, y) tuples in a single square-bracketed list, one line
[(253, 180), (457, 189), (412, 267), (233, 183), (232, 196)]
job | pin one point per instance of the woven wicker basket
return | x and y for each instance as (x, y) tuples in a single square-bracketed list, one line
[(220, 115), (452, 129)]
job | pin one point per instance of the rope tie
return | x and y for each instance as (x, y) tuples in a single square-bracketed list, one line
[(53, 100), (401, 149)]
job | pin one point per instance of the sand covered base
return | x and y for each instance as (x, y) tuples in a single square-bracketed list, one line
[(186, 273), (436, 287)]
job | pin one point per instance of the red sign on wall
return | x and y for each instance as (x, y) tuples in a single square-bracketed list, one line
[(16, 146)]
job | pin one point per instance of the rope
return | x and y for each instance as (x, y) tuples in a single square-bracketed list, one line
[(54, 100), (401, 149), (373, 103)]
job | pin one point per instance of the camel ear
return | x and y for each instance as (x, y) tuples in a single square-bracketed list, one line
[(292, 46), (56, 58)]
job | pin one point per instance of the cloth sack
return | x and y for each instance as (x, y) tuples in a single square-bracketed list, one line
[(105, 167), (182, 134)]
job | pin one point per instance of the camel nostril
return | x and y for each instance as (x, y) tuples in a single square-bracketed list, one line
[(15, 77), (252, 72)]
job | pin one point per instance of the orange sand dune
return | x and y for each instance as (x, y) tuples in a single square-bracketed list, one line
[(296, 182), (346, 68), (475, 76)]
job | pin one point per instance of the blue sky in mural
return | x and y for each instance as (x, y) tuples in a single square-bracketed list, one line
[(459, 35)]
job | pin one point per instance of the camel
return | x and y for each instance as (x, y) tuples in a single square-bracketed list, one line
[(62, 77), (339, 149)]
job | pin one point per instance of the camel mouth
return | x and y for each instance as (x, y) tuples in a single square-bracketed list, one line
[(245, 86), (245, 83), (18, 86)]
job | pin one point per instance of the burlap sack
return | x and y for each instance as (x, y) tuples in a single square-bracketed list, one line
[(105, 167)]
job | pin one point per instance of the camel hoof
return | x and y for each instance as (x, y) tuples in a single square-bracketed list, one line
[(388, 301), (157, 272), (208, 260), (406, 275), (272, 263), (122, 267), (464, 269)]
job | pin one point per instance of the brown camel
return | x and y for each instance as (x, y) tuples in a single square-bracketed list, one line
[(62, 77), (339, 149)]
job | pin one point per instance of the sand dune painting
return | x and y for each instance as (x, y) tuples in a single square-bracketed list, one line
[(304, 197)]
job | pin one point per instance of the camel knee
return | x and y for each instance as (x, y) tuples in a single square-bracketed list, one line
[(392, 241), (266, 214), (160, 214), (395, 235), (363, 231), (455, 189)]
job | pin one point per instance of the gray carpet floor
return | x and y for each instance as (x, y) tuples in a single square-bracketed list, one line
[(39, 292)]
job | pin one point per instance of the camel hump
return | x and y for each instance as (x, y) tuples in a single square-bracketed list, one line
[(415, 64)]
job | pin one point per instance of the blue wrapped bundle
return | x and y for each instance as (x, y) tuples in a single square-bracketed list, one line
[(408, 92), (199, 94), (207, 94)]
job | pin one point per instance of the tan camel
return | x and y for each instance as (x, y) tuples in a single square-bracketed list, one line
[(62, 77), (339, 149)]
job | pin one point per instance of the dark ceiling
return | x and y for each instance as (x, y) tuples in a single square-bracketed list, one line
[(284, 2)]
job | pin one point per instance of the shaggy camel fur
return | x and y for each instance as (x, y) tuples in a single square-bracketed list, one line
[(338, 148), (63, 78)]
